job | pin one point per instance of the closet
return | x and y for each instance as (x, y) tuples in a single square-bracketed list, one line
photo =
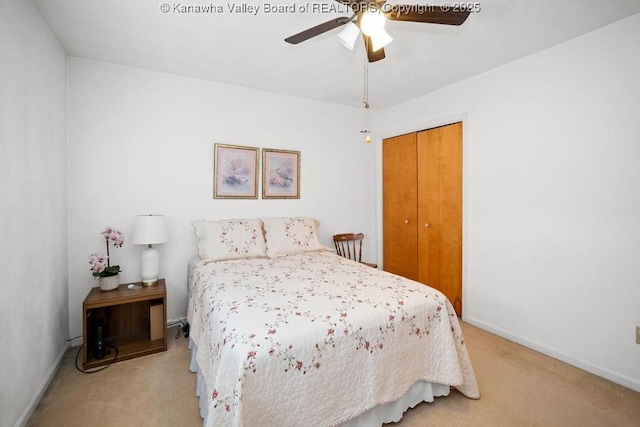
[(422, 208)]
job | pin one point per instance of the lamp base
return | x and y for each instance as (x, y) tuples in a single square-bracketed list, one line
[(150, 266)]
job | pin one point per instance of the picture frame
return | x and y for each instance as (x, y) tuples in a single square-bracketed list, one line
[(235, 172), (280, 174)]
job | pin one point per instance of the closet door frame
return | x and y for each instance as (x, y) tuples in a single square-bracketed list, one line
[(467, 301)]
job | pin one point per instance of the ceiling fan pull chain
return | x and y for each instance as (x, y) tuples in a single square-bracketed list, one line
[(365, 100)]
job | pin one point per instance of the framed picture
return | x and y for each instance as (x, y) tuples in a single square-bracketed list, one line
[(235, 172), (280, 174)]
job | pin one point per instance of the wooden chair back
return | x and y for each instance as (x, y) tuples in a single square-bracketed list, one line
[(349, 245)]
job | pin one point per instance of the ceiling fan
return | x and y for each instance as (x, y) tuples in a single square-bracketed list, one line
[(369, 18)]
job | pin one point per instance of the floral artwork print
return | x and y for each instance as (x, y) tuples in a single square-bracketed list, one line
[(283, 174), (235, 172), (280, 174), (274, 335)]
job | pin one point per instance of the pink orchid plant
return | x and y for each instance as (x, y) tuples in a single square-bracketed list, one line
[(100, 264)]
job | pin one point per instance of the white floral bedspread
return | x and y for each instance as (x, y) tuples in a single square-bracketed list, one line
[(315, 339)]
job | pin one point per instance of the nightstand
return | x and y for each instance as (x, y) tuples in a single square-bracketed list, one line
[(133, 320)]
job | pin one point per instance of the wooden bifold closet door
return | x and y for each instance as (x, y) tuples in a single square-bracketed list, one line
[(422, 208)]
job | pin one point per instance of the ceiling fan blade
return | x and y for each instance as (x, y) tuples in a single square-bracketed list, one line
[(427, 14), (317, 30), (372, 55)]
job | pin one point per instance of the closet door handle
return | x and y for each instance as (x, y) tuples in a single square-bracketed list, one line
[(426, 225), (406, 221)]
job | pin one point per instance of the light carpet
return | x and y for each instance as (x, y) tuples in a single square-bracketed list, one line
[(518, 387)]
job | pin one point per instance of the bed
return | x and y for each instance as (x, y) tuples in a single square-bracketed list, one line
[(284, 332)]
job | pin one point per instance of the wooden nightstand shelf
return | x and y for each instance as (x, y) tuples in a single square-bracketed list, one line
[(131, 317)]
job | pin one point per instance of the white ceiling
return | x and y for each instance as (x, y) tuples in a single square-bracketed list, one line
[(249, 50)]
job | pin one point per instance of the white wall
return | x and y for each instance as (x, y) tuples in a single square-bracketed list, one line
[(551, 197), (142, 142), (33, 217)]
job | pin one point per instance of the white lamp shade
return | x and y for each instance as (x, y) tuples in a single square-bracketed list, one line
[(372, 21), (149, 230), (349, 35), (380, 39)]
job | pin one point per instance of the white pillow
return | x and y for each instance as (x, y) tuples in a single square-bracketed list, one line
[(286, 236), (230, 239)]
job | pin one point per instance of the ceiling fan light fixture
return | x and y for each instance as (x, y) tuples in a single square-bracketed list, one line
[(349, 35), (380, 39), (372, 22)]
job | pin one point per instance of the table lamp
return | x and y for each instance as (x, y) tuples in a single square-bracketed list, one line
[(150, 230)]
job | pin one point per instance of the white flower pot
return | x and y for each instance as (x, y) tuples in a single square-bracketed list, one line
[(109, 283)]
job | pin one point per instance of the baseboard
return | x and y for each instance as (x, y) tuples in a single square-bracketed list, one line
[(33, 403), (608, 374)]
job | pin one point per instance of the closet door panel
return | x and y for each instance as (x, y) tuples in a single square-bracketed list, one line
[(451, 209), (440, 210), (429, 237), (399, 194)]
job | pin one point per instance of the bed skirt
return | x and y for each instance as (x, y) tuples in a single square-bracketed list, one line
[(421, 391)]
